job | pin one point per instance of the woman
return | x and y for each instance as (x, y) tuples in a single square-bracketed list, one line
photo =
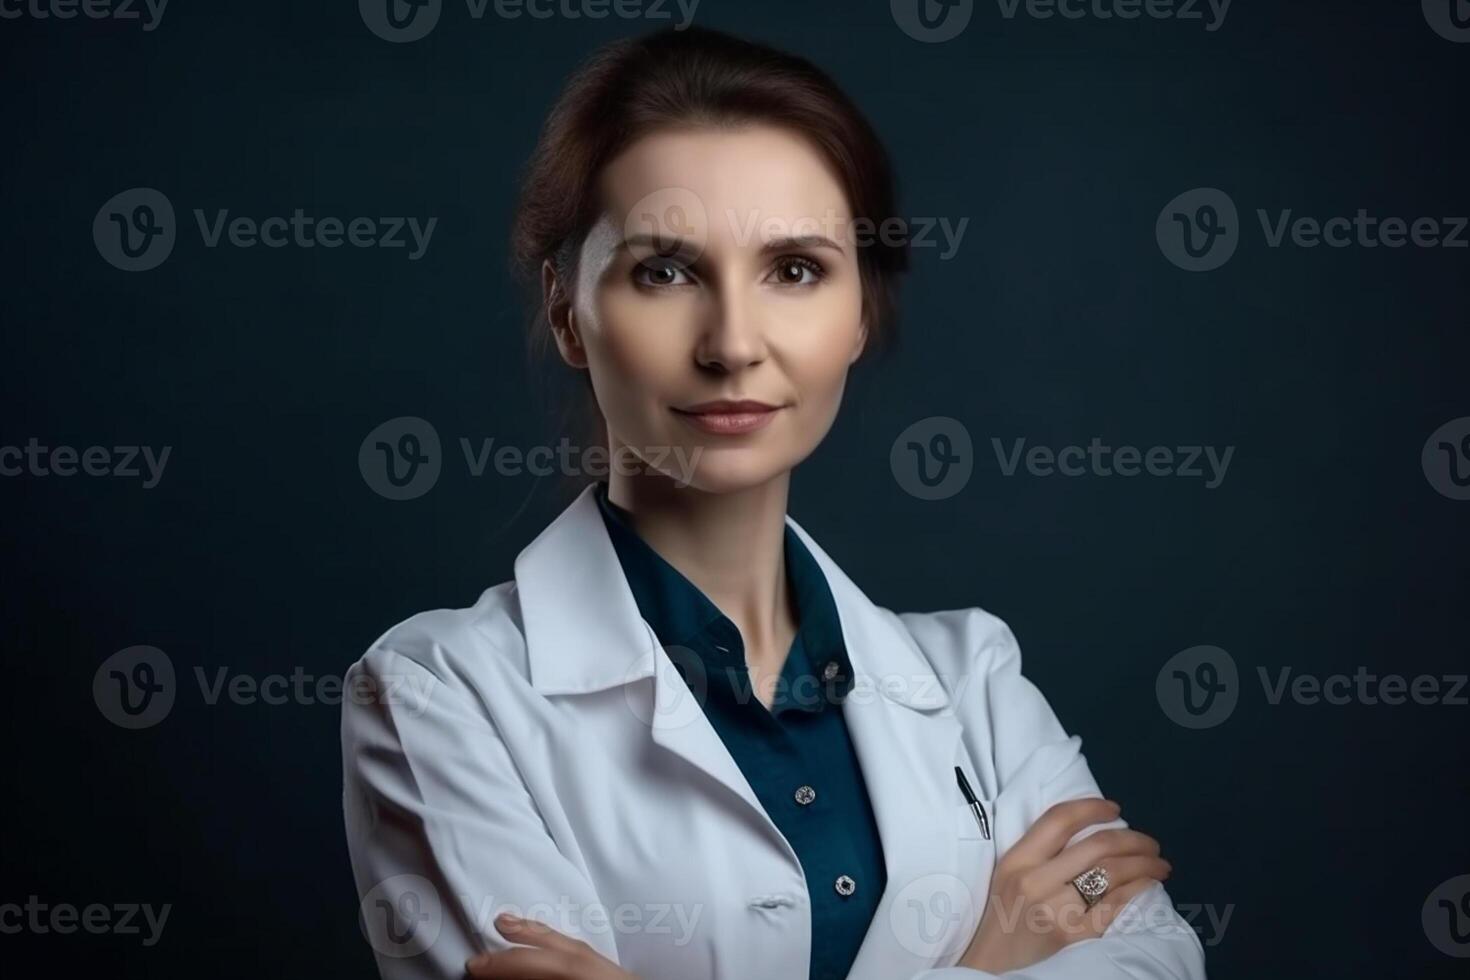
[(681, 743)]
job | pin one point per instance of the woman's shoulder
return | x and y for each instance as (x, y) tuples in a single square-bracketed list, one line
[(455, 644), (959, 642)]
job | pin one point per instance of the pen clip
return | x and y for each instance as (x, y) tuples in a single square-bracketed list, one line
[(976, 807)]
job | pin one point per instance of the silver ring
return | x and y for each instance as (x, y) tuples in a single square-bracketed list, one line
[(1092, 885)]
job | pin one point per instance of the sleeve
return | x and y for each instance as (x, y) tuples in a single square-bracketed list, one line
[(442, 832), (1035, 765)]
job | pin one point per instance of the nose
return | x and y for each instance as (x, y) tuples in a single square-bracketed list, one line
[(732, 336)]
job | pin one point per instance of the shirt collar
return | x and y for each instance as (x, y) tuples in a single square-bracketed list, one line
[(679, 611)]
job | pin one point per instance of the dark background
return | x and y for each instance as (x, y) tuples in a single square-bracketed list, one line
[(1322, 829)]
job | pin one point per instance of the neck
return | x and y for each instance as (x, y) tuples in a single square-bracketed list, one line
[(730, 545)]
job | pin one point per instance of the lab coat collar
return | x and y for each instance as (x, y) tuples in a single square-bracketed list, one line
[(582, 626), (584, 632)]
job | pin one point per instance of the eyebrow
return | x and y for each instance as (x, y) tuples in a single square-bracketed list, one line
[(659, 244), (674, 246), (801, 241)]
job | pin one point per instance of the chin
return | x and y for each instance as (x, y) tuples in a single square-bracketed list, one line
[(726, 469)]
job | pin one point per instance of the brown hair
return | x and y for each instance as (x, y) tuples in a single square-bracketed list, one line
[(694, 77)]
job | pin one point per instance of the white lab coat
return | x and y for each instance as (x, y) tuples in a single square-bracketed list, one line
[(538, 753)]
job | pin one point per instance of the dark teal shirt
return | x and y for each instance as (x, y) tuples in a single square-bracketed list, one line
[(798, 756)]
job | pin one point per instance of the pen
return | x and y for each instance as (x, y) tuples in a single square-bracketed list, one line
[(974, 802)]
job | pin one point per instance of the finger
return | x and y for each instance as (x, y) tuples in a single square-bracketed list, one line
[(530, 932), (522, 963), (1096, 920), (1126, 870), (1072, 918), (1045, 838), (1090, 852), (1123, 870), (1067, 901)]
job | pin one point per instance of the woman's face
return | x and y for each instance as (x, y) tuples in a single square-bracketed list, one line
[(722, 269)]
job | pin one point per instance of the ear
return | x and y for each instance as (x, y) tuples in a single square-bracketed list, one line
[(557, 304), (862, 339)]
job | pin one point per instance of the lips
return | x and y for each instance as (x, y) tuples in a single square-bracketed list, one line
[(725, 406), (726, 417)]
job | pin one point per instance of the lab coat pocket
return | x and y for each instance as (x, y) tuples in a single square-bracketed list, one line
[(974, 862)]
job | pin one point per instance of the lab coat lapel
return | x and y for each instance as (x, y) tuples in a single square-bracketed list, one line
[(584, 633), (680, 725), (906, 736)]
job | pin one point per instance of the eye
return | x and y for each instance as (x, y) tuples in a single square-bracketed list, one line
[(658, 272), (797, 270)]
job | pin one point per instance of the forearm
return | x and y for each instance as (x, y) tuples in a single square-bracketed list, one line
[(1147, 941)]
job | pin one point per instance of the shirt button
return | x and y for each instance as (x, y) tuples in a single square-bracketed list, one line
[(845, 885), (830, 671), (804, 795)]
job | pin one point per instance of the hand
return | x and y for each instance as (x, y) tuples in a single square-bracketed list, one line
[(545, 954), (1034, 910)]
